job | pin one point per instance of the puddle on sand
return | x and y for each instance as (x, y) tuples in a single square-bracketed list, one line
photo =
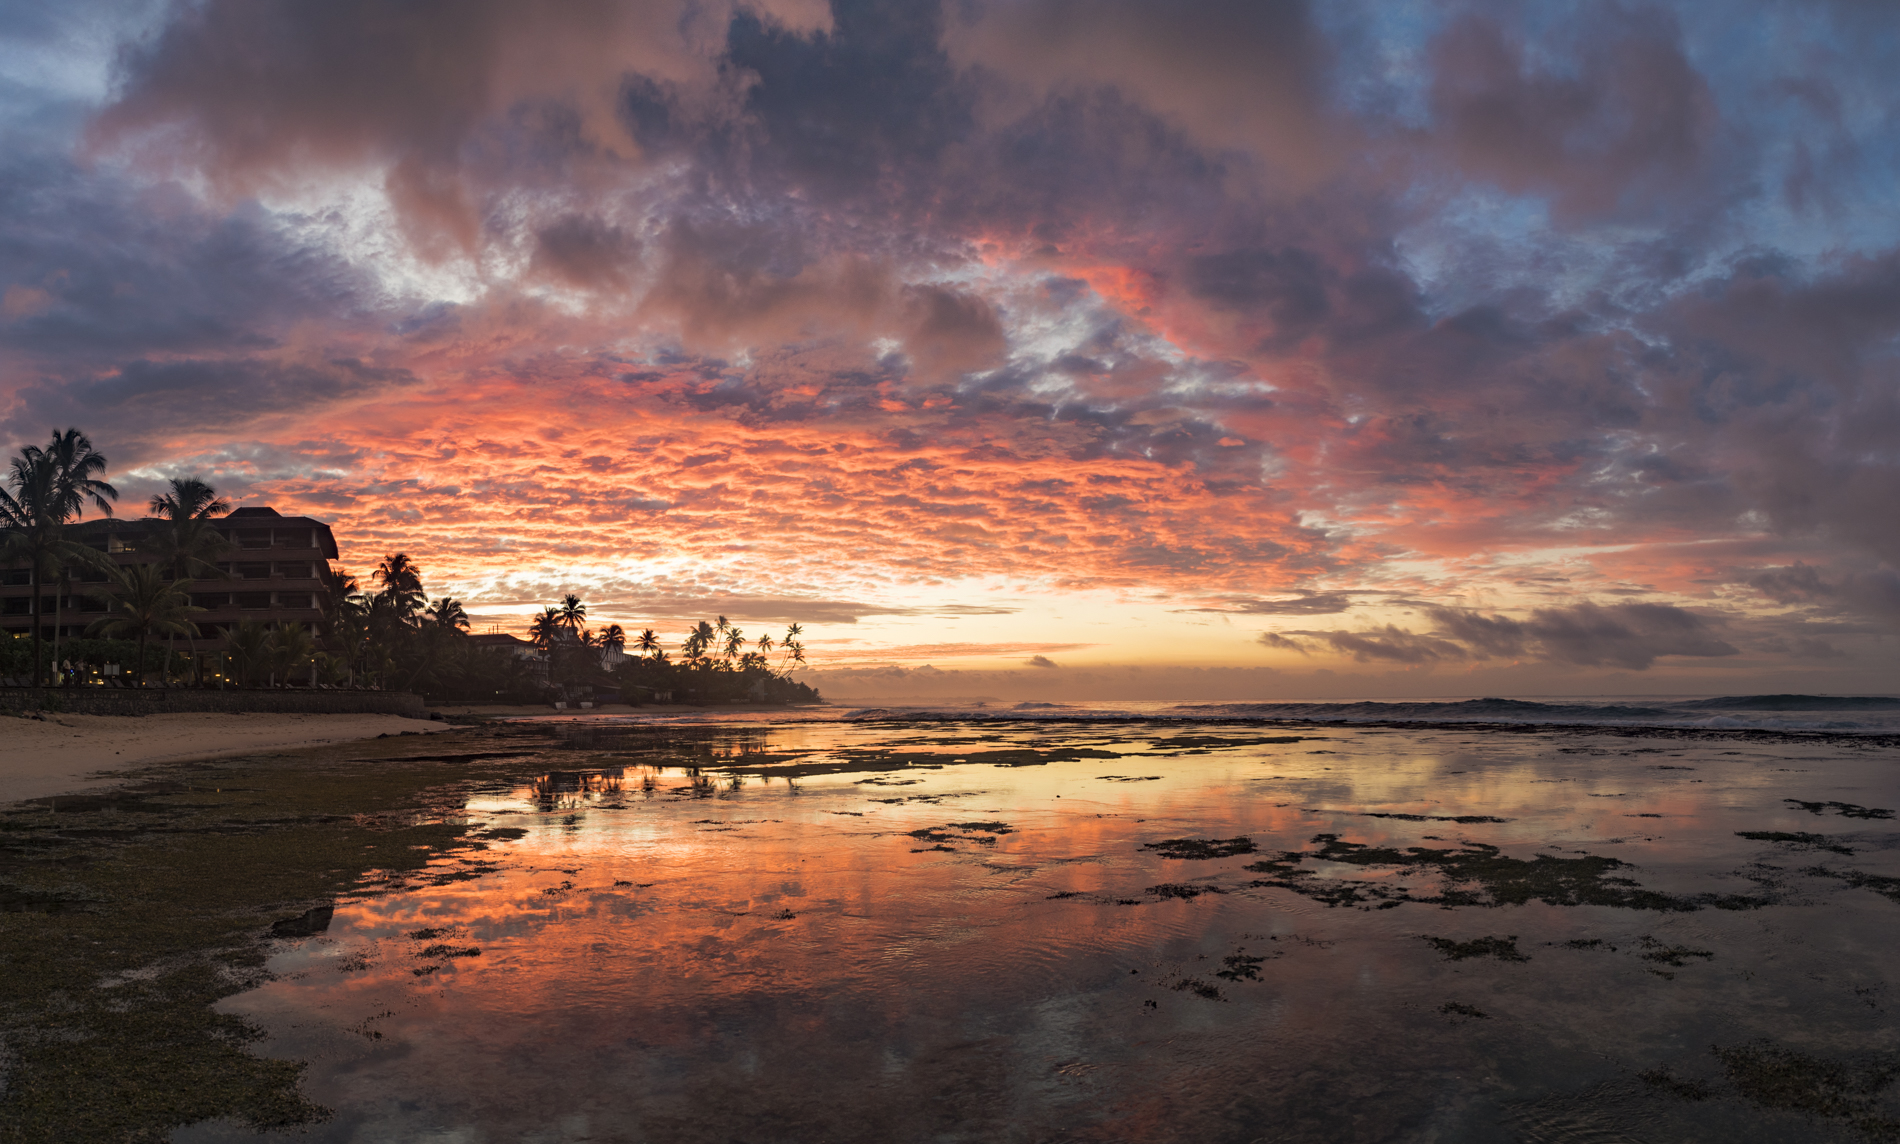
[(707, 934)]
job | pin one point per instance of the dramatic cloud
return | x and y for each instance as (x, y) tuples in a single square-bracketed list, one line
[(1006, 326)]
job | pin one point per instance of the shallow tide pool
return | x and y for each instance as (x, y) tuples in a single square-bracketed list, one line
[(1143, 932)]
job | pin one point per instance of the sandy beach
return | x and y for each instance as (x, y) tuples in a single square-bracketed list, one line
[(62, 753)]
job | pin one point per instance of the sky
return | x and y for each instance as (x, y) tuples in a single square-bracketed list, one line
[(1031, 349)]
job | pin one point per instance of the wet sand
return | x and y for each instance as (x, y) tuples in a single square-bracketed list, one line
[(59, 754)]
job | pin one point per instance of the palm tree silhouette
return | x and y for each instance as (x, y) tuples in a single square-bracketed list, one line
[(449, 614), (573, 614), (735, 643), (187, 544), (612, 641), (402, 585), (50, 487), (248, 644), (699, 639), (648, 643), (145, 603), (545, 629)]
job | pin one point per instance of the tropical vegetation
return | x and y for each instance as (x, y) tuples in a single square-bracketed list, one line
[(386, 633)]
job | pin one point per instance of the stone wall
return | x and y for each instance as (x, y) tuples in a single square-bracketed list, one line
[(158, 700)]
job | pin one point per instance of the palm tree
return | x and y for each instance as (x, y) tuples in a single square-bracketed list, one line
[(794, 651), (248, 644), (145, 602), (764, 644), (735, 642), (648, 643), (699, 639), (187, 544), (50, 487), (546, 629), (573, 614), (402, 585), (291, 647), (447, 613)]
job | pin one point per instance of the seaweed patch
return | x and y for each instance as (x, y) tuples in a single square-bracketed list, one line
[(1798, 839), (1478, 875), (1669, 954), (1181, 890), (1200, 848), (1502, 948), (1465, 819), (1885, 885), (1776, 1077), (1844, 809), (1241, 966)]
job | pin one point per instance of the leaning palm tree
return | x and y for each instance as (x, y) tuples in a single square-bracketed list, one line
[(47, 488), (790, 648), (145, 602)]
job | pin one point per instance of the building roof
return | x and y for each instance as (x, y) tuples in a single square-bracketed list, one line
[(499, 639), (260, 516)]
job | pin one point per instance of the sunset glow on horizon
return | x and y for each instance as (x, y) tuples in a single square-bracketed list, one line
[(1019, 348)]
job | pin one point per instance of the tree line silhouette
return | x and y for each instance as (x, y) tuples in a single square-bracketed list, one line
[(386, 635)]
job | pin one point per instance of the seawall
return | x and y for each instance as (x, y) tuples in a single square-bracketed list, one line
[(159, 700)]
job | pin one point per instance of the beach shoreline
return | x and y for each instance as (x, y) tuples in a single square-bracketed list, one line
[(54, 754)]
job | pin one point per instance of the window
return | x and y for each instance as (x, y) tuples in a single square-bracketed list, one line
[(211, 600), (295, 571), (252, 571), (18, 576), (253, 538), (18, 606), (253, 599)]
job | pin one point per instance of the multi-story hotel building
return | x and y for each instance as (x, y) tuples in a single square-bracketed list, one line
[(277, 570)]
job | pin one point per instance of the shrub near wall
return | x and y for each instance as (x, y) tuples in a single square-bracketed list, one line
[(16, 655)]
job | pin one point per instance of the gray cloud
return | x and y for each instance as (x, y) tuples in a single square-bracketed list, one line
[(1305, 604), (1630, 636), (1391, 644)]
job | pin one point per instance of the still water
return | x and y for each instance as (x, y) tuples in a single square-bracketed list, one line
[(986, 931)]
